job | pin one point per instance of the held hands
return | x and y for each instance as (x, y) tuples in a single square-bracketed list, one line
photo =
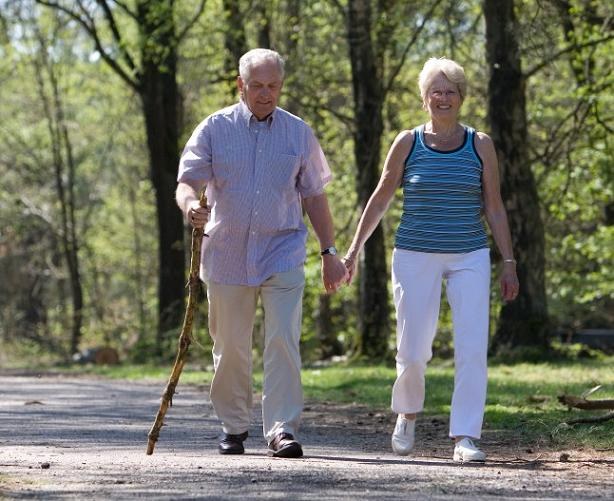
[(350, 261), (196, 215), (334, 273)]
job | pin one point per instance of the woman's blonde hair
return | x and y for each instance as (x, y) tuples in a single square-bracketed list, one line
[(453, 71)]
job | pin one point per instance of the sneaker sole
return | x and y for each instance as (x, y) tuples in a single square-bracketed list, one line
[(401, 452), (460, 459)]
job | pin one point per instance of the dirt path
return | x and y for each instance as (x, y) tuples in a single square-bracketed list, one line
[(85, 438)]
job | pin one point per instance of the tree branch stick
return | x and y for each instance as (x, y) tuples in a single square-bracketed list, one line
[(590, 420), (583, 403), (185, 338)]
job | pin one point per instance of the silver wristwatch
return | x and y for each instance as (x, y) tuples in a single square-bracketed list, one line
[(329, 250)]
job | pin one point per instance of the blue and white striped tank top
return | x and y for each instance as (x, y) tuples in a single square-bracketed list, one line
[(442, 198)]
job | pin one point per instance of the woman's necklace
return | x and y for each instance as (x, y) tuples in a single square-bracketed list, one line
[(438, 138)]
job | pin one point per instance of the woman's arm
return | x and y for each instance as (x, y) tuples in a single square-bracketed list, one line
[(377, 205), (496, 215)]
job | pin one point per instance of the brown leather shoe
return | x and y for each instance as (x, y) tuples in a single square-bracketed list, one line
[(232, 444), (284, 446)]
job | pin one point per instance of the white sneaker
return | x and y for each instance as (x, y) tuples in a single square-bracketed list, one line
[(403, 435), (465, 450)]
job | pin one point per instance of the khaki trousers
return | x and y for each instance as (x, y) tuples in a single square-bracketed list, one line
[(232, 309)]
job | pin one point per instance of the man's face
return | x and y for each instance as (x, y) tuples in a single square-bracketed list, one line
[(261, 93)]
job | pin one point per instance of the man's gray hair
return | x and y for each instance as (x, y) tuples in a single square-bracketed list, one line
[(257, 56)]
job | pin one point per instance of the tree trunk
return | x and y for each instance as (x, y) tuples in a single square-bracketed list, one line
[(368, 102), (64, 167), (525, 320), (263, 20), (160, 100), (585, 16), (234, 41), (330, 345), (293, 63), (139, 282), (154, 79)]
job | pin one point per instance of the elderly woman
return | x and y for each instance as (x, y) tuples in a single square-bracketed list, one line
[(448, 172)]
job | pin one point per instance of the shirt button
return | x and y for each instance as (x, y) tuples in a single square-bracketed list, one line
[(259, 151), (253, 232), (256, 213), (257, 192)]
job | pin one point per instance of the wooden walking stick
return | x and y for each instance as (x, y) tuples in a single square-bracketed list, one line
[(185, 338)]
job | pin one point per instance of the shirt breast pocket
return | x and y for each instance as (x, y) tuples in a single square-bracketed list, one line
[(284, 172), (231, 166), (285, 199)]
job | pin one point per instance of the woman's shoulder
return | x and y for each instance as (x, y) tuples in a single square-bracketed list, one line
[(484, 146), (404, 140), (480, 137), (407, 135)]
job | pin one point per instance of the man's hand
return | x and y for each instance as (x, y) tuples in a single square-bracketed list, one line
[(334, 273), (197, 216)]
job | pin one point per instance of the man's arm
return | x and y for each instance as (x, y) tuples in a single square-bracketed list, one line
[(334, 272)]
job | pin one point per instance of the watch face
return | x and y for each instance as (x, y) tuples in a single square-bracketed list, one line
[(331, 250)]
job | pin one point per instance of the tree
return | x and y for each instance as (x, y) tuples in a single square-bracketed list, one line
[(64, 168), (234, 41), (376, 61), (524, 321), (153, 77)]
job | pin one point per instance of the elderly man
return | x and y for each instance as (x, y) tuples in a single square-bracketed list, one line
[(259, 164)]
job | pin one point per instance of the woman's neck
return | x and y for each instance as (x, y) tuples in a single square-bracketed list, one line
[(442, 129)]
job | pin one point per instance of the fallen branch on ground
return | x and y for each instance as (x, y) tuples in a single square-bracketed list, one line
[(584, 404), (594, 419)]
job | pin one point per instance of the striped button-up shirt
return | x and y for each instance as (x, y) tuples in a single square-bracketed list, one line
[(256, 175)]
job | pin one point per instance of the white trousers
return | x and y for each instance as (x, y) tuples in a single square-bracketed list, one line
[(232, 310), (416, 281)]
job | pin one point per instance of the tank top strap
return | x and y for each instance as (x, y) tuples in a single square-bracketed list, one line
[(470, 135)]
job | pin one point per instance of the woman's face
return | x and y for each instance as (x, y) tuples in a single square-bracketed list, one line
[(442, 98)]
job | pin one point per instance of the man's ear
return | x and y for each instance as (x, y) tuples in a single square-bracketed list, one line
[(240, 85)]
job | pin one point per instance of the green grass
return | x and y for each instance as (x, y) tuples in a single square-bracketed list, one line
[(522, 398)]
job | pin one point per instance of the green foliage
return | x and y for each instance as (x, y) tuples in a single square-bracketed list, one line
[(570, 143)]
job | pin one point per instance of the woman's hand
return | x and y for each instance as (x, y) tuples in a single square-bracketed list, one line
[(350, 261), (509, 282)]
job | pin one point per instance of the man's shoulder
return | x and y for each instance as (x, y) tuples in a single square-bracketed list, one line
[(218, 120), (229, 112), (293, 120)]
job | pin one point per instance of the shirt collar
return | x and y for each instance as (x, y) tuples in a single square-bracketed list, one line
[(249, 117)]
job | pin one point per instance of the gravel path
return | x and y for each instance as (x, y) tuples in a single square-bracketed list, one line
[(85, 438)]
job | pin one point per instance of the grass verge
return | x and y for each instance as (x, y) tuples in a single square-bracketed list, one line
[(522, 403)]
